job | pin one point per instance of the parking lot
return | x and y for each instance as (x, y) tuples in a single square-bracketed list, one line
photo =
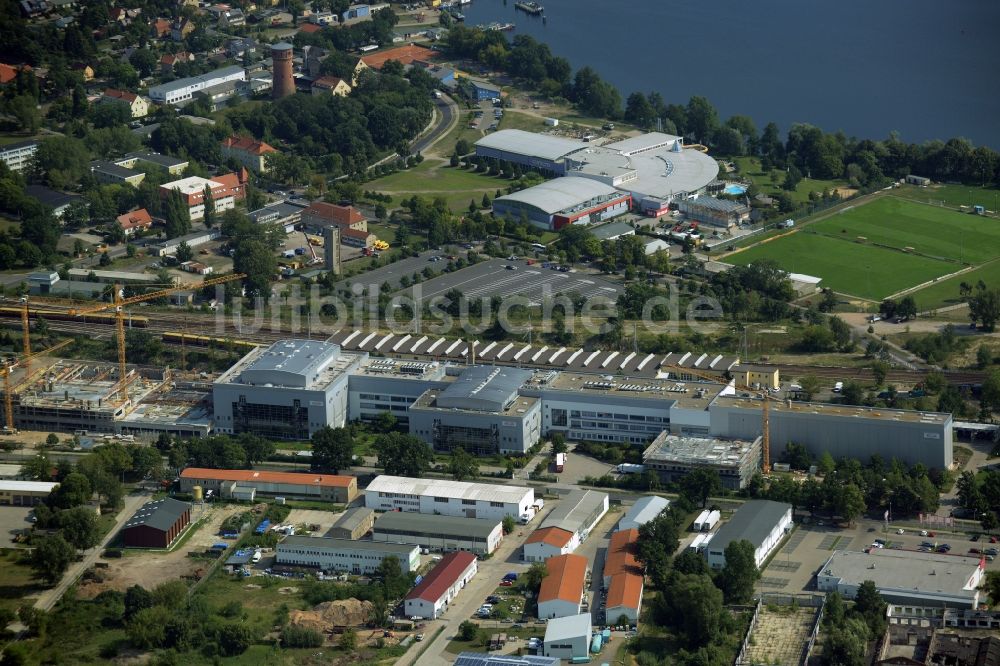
[(392, 273), (13, 519), (493, 278), (792, 569)]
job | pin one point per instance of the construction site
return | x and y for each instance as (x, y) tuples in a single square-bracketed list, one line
[(87, 397)]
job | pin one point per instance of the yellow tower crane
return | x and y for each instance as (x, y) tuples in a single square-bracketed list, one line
[(765, 409), (119, 304), (8, 391), (26, 334)]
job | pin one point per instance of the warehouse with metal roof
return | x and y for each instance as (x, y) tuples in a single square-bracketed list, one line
[(761, 522), (286, 391), (156, 524), (448, 498), (556, 203), (439, 533), (539, 151), (644, 510)]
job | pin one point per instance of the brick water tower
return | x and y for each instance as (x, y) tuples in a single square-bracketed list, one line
[(282, 83)]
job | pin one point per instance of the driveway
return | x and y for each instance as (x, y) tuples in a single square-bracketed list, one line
[(47, 599)]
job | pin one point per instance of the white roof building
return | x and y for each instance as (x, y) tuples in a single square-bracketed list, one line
[(447, 498), (644, 510), (568, 637)]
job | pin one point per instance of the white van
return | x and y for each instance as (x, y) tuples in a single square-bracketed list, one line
[(838, 387)]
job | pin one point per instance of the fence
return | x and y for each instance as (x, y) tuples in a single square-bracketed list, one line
[(816, 601)]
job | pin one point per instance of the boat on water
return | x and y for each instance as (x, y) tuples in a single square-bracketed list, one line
[(496, 27), (457, 15), (529, 7)]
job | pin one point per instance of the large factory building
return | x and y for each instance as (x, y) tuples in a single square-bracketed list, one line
[(288, 390)]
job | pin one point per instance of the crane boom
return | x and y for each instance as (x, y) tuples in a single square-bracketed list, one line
[(765, 415), (119, 304)]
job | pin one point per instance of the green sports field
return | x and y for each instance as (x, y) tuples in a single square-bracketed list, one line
[(945, 292), (930, 230), (942, 242), (845, 266)]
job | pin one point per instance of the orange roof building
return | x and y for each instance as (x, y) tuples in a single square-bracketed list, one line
[(405, 55), (248, 151), (621, 555), (9, 72), (330, 85), (624, 598), (562, 589), (320, 214), (135, 220), (547, 542), (332, 487)]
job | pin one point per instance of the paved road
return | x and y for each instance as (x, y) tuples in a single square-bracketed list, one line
[(448, 111), (47, 599)]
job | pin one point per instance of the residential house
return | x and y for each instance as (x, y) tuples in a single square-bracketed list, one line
[(135, 221), (181, 28), (241, 47), (168, 60), (137, 104), (59, 202), (9, 72), (34, 8), (247, 151), (232, 18), (160, 28), (330, 85), (85, 70)]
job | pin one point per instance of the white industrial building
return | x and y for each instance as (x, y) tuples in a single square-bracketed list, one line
[(344, 555), (557, 203), (566, 526), (482, 412), (568, 637), (25, 493), (761, 522), (287, 391), (18, 155), (440, 533), (906, 577), (485, 501), (182, 90), (644, 510), (441, 585)]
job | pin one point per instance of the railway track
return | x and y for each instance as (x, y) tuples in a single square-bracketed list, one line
[(157, 322)]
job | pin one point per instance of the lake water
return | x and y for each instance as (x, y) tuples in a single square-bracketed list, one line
[(925, 68)]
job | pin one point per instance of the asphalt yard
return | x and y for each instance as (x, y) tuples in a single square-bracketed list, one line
[(534, 283)]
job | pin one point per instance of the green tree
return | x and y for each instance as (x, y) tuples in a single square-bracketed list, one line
[(696, 608), (462, 465), (234, 638), (871, 606), (52, 439), (72, 491), (332, 449), (403, 455), (558, 443), (80, 527), (209, 218), (991, 585), (991, 391), (880, 370), (257, 261), (51, 557), (847, 644), (702, 119), (176, 214), (740, 572), (348, 640), (136, 599), (184, 252), (24, 108), (984, 357), (385, 422), (467, 631), (508, 524), (849, 502), (698, 485), (534, 575), (294, 636)]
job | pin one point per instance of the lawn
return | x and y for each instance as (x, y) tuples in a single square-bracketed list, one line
[(951, 195), (845, 266), (945, 292), (432, 179), (16, 579), (770, 182), (930, 230)]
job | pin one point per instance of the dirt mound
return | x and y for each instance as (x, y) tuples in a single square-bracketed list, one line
[(330, 614)]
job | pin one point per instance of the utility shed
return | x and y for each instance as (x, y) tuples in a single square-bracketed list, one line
[(156, 524)]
